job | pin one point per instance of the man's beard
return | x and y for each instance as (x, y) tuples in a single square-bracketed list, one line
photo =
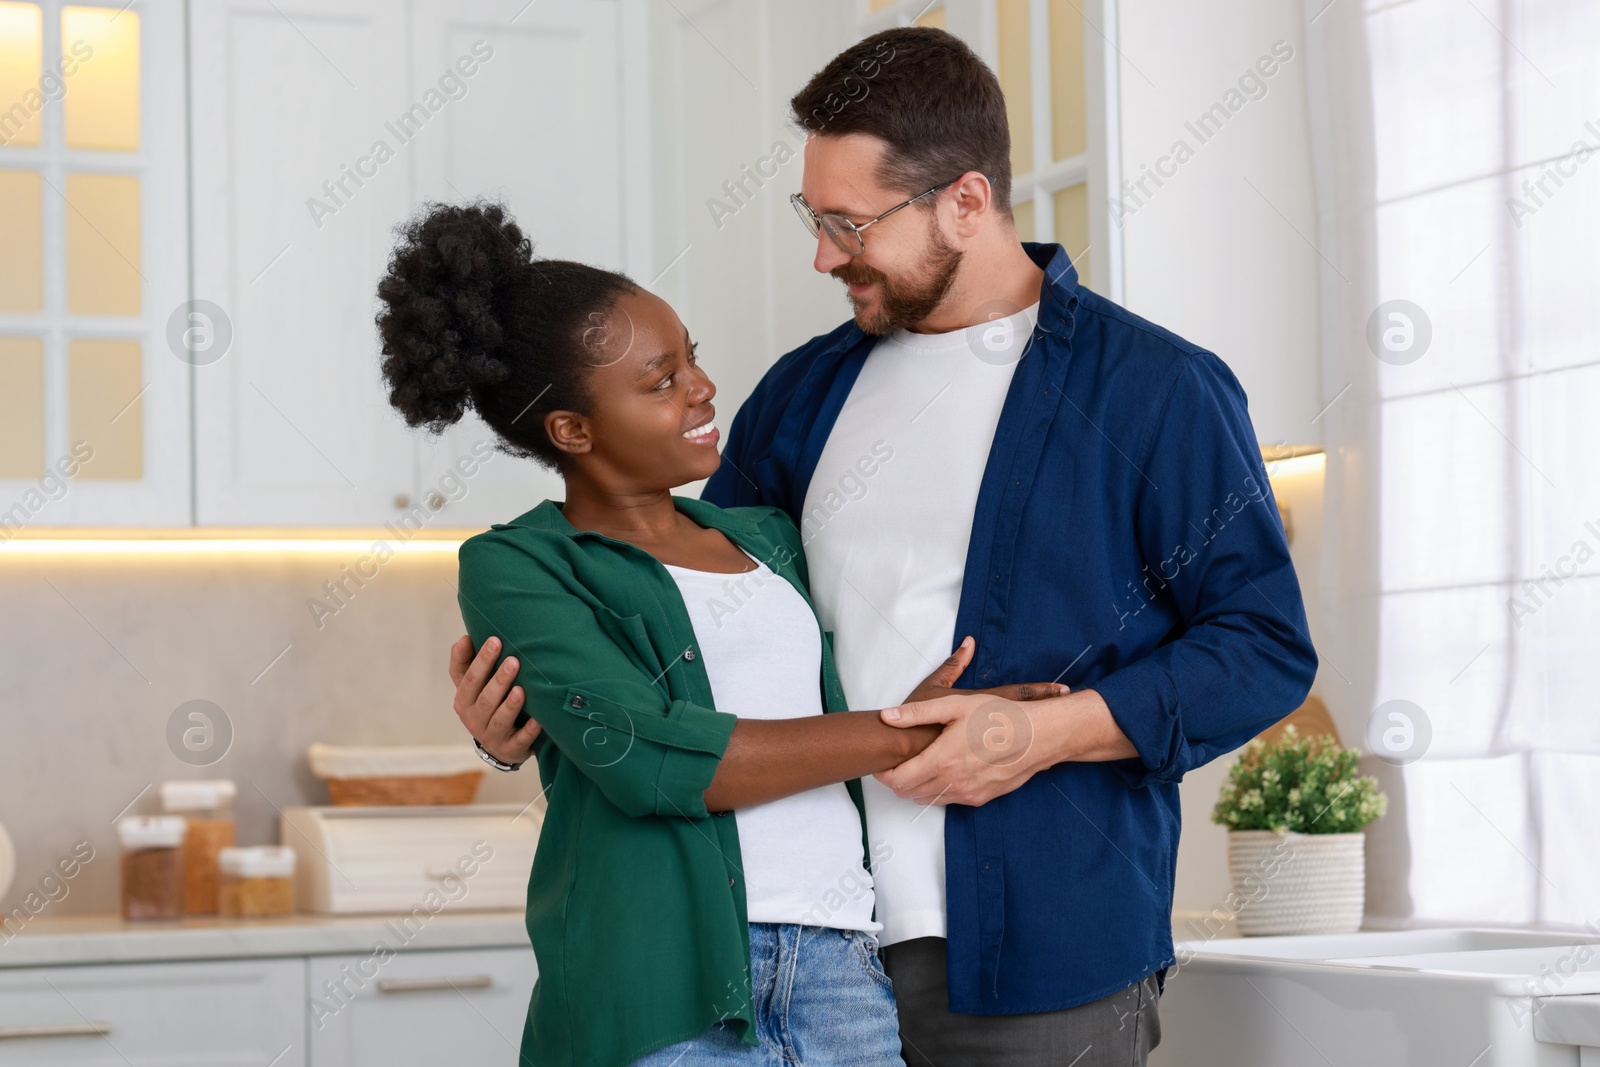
[(905, 303)]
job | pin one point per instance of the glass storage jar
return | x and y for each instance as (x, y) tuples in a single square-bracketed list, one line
[(152, 866), (208, 806), (257, 881)]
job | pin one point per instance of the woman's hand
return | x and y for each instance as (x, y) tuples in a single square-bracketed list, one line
[(487, 701), (943, 679)]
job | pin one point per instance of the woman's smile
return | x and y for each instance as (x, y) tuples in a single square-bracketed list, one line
[(705, 432)]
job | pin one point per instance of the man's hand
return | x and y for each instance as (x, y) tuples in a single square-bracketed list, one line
[(487, 701), (991, 746), (941, 682)]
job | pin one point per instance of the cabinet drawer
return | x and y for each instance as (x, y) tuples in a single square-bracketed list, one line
[(418, 1007), (234, 1013)]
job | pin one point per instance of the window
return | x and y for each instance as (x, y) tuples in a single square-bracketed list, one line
[(1456, 154)]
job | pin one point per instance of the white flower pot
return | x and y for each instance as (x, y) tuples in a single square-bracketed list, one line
[(1289, 883)]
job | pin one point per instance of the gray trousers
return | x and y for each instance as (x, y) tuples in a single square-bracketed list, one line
[(1118, 1031)]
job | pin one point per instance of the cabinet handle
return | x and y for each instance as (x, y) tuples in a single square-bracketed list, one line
[(433, 985), (56, 1030)]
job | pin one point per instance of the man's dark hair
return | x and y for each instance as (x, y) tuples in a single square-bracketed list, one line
[(923, 92)]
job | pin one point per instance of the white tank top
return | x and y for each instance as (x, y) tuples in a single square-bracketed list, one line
[(762, 651)]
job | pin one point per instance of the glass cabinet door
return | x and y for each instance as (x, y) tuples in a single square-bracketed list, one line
[(94, 406)]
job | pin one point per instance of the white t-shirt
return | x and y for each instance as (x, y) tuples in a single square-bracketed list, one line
[(762, 651), (887, 519)]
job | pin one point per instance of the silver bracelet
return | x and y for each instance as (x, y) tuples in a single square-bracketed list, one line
[(491, 761)]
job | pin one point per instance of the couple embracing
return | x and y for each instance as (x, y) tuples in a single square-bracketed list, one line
[(871, 753)]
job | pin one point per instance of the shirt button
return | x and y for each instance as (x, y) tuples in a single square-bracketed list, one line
[(720, 814), (730, 881), (577, 702), (688, 654)]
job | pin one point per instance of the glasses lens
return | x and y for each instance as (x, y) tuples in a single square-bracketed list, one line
[(844, 234), (800, 208)]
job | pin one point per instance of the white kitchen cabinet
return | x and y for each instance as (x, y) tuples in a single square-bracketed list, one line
[(318, 127), (292, 215), (231, 1013), (554, 124), (420, 1007)]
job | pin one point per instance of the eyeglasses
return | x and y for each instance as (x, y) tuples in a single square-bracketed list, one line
[(843, 232)]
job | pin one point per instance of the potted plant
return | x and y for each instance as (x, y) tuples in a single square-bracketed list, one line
[(1295, 808)]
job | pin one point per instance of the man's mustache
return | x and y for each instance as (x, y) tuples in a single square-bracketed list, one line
[(857, 274)]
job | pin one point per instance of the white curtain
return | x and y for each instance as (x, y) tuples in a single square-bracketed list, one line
[(1457, 149)]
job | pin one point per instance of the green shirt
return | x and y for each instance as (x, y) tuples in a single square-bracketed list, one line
[(636, 904)]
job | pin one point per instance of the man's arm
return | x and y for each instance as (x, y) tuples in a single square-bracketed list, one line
[(1244, 659)]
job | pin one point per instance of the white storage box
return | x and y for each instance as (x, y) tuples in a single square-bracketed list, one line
[(399, 859)]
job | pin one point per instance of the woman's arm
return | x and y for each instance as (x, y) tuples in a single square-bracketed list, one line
[(771, 758), (766, 759)]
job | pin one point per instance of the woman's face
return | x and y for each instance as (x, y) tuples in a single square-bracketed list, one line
[(649, 425)]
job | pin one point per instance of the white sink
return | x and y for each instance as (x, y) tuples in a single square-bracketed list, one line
[(1412, 998)]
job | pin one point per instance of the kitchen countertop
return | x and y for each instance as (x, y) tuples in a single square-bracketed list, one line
[(90, 939)]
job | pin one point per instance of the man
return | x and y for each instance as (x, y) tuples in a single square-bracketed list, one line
[(990, 449)]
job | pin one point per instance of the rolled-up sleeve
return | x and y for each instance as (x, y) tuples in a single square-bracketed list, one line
[(648, 753), (1208, 524)]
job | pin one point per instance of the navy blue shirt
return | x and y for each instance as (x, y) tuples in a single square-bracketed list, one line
[(1125, 540)]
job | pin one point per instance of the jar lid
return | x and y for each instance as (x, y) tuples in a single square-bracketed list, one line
[(197, 795), (151, 831), (257, 861)]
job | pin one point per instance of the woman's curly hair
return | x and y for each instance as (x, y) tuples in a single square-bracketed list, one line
[(471, 318)]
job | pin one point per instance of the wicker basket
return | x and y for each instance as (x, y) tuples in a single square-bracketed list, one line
[(389, 775), (1288, 883), (441, 789)]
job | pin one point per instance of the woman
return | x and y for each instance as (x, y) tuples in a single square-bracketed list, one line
[(699, 894)]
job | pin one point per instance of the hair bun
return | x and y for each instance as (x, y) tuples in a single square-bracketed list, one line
[(446, 286)]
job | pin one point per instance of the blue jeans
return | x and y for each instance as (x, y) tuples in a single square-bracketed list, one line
[(820, 999)]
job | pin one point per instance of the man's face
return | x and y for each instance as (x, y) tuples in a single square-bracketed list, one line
[(909, 264)]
